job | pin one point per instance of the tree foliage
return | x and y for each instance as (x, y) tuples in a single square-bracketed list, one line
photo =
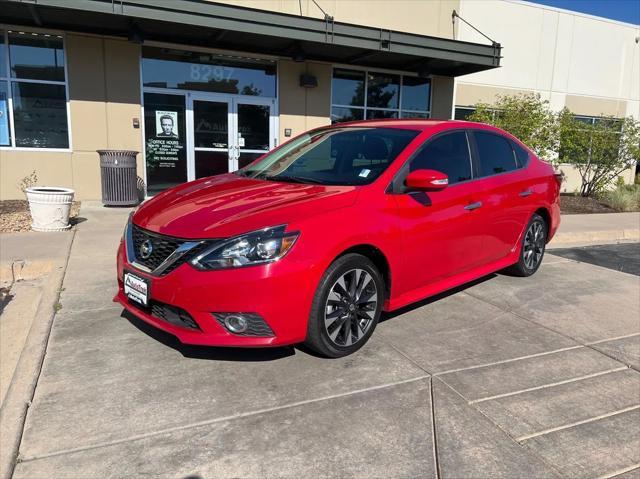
[(526, 117), (599, 150)]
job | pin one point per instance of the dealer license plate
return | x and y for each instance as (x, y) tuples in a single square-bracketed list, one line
[(136, 288)]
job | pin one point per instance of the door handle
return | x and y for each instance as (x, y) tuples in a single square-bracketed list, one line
[(473, 206), (524, 194)]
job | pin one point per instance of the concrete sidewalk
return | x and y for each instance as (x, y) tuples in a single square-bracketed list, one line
[(507, 377), (583, 230)]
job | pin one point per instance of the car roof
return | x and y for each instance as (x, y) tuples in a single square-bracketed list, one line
[(408, 124)]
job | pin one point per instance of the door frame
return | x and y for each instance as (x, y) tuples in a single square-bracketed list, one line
[(233, 148), (189, 96)]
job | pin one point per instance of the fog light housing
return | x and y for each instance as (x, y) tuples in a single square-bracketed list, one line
[(236, 324), (244, 324)]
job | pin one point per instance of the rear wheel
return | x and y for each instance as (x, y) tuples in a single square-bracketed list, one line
[(346, 307), (532, 249)]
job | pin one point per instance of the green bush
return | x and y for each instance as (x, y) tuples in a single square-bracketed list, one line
[(623, 198)]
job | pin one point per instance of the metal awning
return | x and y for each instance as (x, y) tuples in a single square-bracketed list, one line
[(215, 25)]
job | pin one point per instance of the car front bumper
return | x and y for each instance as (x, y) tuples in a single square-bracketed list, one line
[(280, 293)]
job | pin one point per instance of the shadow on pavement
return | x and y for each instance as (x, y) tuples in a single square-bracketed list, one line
[(432, 299), (208, 352)]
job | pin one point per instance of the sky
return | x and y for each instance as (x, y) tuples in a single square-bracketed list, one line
[(623, 10)]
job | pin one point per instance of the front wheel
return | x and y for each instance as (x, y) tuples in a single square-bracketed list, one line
[(532, 249), (346, 306)]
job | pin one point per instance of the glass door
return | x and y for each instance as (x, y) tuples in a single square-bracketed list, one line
[(255, 130), (212, 138), (226, 133)]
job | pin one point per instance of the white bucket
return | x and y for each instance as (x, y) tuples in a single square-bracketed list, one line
[(50, 207)]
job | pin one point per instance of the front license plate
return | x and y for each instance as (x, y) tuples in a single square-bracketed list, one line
[(136, 288)]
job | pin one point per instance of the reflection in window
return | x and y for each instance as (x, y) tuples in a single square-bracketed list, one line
[(210, 124), (5, 129), (347, 88), (448, 154), (3, 56), (253, 126), (169, 68), (416, 93), (381, 114), (387, 96), (34, 84), (36, 57), (40, 115), (383, 91), (495, 153), (340, 114)]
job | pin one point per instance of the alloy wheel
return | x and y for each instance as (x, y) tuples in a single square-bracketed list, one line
[(351, 307), (534, 242)]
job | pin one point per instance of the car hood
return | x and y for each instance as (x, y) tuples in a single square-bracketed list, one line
[(227, 205)]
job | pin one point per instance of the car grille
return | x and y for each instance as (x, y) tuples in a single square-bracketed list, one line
[(170, 314), (163, 246)]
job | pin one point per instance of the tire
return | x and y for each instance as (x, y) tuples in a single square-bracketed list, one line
[(343, 316), (532, 247)]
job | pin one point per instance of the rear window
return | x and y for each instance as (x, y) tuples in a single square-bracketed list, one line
[(522, 155), (495, 154)]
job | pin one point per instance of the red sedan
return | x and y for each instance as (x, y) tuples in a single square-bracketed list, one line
[(311, 242)]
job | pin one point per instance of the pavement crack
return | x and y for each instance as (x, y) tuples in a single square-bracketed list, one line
[(436, 459)]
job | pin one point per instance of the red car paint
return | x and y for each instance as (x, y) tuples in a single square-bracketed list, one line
[(428, 248)]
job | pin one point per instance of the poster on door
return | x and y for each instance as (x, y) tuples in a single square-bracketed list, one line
[(165, 148)]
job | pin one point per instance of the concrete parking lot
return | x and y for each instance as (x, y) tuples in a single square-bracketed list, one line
[(507, 377)]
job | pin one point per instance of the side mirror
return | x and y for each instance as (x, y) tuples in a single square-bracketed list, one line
[(426, 180)]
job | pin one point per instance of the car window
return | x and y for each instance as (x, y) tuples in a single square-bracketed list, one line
[(495, 154), (522, 155), (449, 154), (335, 156)]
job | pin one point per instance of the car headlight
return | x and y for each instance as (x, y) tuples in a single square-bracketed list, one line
[(257, 247)]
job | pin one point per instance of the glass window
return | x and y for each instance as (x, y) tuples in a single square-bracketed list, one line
[(448, 154), (210, 124), (347, 87), (169, 68), (338, 156), (522, 155), (165, 141), (384, 96), (5, 129), (463, 113), (416, 93), (340, 115), (40, 115), (415, 114), (3, 56), (383, 91), (36, 56), (380, 114), (495, 152), (253, 126)]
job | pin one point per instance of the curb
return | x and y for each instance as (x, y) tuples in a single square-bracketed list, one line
[(27, 372), (586, 238)]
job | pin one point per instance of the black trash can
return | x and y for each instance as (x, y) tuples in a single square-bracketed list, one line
[(119, 179)]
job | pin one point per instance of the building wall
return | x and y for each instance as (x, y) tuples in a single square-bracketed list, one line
[(104, 97), (589, 64), (431, 17)]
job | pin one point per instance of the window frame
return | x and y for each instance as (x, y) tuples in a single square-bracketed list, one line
[(9, 80), (397, 187), (365, 108)]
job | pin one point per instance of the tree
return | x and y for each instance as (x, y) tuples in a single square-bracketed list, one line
[(600, 150), (526, 117)]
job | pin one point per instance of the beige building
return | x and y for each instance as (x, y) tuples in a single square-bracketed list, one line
[(200, 88)]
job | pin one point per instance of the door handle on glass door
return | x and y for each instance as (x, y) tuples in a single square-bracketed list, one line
[(525, 193), (473, 206)]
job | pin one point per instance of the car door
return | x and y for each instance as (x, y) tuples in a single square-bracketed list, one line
[(504, 186), (441, 230)]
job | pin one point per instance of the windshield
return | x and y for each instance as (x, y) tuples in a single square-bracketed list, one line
[(337, 156)]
